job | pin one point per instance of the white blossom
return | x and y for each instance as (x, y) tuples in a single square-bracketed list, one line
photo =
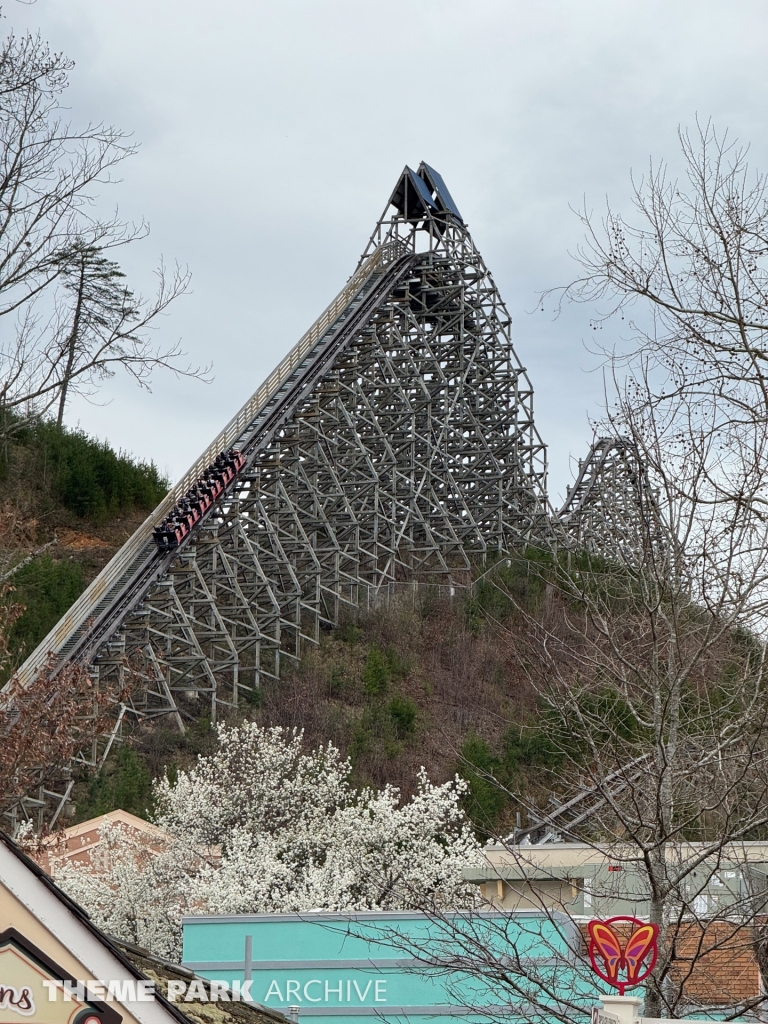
[(131, 891), (261, 826)]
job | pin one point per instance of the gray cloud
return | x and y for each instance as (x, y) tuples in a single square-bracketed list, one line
[(272, 132)]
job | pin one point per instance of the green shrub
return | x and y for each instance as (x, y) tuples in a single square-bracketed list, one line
[(529, 748), (376, 671), (124, 783), (517, 580), (251, 697), (396, 665), (491, 600), (383, 726), (337, 681), (613, 723), (485, 801), (349, 632), (524, 753), (367, 734), (47, 589), (402, 713)]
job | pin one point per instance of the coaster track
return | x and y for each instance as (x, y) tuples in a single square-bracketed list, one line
[(394, 442), (123, 583)]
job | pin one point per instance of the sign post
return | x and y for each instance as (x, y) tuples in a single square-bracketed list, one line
[(621, 965), (617, 1010), (601, 1016)]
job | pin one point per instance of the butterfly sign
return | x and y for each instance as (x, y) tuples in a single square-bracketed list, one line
[(635, 959)]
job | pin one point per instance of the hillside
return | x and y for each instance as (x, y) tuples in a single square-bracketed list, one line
[(424, 680), (69, 503)]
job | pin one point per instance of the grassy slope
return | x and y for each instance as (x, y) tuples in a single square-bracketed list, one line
[(436, 683), (423, 682)]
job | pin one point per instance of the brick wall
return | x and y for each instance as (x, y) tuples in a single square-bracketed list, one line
[(716, 962)]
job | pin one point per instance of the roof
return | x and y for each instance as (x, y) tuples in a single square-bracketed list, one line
[(77, 842), (70, 926), (161, 972), (574, 860), (116, 817)]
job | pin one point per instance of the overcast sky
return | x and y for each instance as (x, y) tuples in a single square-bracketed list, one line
[(273, 132)]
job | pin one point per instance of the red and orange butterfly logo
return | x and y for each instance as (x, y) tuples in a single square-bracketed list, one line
[(636, 959)]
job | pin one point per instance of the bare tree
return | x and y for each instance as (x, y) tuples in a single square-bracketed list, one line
[(689, 273), (71, 321), (101, 325), (43, 725), (648, 664), (653, 683), (648, 655)]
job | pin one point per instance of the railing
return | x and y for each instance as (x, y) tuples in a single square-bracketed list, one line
[(383, 255), (85, 605), (372, 597)]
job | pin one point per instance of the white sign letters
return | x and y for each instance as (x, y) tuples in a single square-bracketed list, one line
[(340, 991)]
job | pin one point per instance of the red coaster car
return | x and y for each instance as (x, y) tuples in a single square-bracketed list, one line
[(190, 509)]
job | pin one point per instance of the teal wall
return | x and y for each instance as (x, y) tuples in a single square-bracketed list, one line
[(356, 967)]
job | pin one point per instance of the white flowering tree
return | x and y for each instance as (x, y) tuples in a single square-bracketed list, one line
[(264, 826), (133, 891)]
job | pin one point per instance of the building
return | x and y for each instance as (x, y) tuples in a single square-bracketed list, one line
[(389, 965), (590, 880), (82, 843), (718, 953), (56, 967)]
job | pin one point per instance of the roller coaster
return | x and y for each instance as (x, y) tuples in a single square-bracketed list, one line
[(395, 441)]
